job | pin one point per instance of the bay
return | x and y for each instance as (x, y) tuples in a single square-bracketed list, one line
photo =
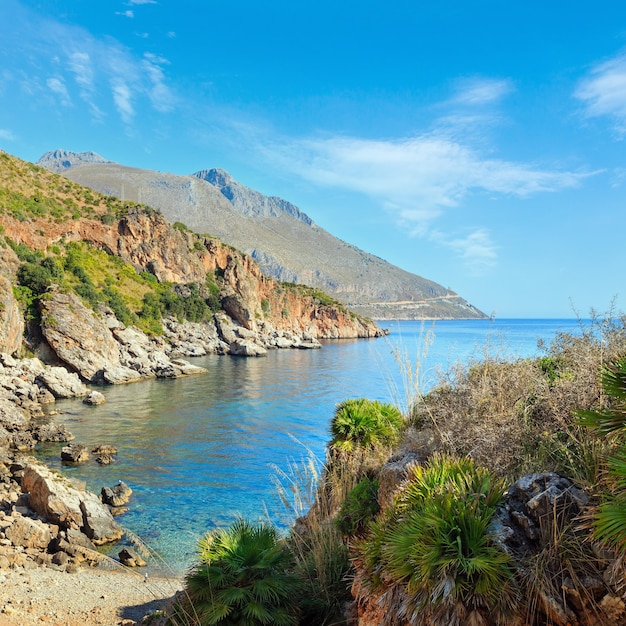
[(200, 451)]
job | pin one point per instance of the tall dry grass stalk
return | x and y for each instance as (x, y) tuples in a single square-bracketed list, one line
[(514, 416), (311, 492)]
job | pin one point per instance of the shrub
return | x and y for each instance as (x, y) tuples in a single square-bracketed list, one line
[(359, 507), (243, 578), (435, 544), (365, 423), (610, 516)]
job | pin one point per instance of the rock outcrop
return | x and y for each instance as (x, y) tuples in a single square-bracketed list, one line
[(61, 503), (11, 318)]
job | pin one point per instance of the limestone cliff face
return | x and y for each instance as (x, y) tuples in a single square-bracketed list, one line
[(11, 319), (146, 240)]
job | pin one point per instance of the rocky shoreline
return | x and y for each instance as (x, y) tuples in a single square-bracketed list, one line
[(46, 520)]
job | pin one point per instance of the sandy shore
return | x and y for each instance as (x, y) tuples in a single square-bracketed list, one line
[(89, 597)]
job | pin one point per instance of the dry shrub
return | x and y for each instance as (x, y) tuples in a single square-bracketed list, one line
[(312, 492), (515, 416)]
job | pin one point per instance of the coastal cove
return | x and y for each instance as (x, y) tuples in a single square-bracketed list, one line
[(199, 451)]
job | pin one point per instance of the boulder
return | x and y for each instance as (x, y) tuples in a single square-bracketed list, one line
[(95, 398), (120, 375), (245, 347), (130, 558), (22, 441), (61, 383), (116, 496), (59, 502), (75, 453), (11, 416), (104, 454), (52, 431), (78, 337), (28, 533)]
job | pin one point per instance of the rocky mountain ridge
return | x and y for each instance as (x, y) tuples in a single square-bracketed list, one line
[(288, 245)]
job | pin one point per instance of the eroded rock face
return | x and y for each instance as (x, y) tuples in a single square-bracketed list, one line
[(11, 318), (78, 337), (59, 502)]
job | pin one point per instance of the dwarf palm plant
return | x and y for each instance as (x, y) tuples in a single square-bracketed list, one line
[(364, 423), (243, 578), (610, 517), (435, 543)]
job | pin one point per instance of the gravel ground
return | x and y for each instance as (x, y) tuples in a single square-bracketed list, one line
[(89, 597)]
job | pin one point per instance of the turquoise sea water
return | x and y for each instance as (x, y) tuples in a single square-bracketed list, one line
[(199, 451)]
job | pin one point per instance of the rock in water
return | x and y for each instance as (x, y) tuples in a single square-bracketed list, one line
[(130, 558), (116, 496), (75, 453), (95, 397)]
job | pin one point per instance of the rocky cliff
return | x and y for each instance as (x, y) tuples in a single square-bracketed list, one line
[(258, 313), (286, 242)]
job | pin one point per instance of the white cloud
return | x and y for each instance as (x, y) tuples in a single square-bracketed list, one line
[(476, 250), (102, 70), (57, 86), (159, 93), (603, 91), (481, 91), (122, 97), (7, 135), (415, 178), (129, 13)]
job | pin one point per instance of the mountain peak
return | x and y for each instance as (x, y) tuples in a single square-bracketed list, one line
[(61, 160), (249, 202)]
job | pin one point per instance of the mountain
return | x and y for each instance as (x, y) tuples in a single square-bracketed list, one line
[(63, 245), (288, 245)]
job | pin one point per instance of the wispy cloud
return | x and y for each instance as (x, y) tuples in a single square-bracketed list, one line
[(7, 135), (128, 13), (57, 87), (415, 178), (100, 72), (481, 91), (122, 97), (160, 94), (476, 249), (603, 92)]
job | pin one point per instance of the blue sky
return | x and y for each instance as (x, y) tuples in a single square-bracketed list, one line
[(478, 144)]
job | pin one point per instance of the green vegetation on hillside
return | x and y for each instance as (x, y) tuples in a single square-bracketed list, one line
[(97, 277)]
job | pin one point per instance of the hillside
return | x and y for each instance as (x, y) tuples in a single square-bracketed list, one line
[(57, 236), (286, 242)]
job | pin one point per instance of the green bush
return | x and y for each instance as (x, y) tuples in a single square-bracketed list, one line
[(364, 423), (609, 520), (359, 507), (435, 543), (243, 578)]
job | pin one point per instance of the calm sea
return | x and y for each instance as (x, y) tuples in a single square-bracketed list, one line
[(199, 451)]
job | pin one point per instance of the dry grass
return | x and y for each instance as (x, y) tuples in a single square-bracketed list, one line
[(515, 417)]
